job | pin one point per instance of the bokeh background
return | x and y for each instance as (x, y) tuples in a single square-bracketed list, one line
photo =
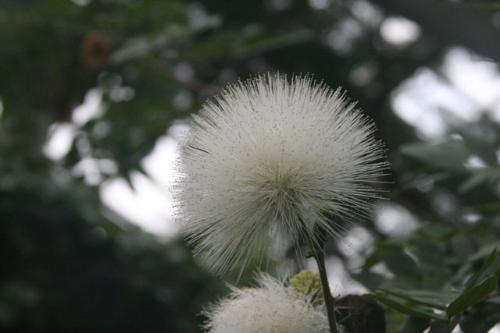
[(95, 95)]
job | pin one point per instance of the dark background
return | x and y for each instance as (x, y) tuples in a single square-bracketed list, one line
[(425, 70)]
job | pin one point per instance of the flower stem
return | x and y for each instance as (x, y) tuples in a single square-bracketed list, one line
[(319, 256)]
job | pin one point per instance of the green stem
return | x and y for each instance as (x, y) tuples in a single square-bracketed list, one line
[(319, 256)]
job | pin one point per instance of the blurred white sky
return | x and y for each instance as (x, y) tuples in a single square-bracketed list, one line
[(150, 205), (466, 87)]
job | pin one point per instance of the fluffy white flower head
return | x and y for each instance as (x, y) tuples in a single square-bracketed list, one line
[(271, 308), (266, 162)]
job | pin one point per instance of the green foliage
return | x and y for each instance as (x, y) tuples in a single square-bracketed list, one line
[(444, 304), (62, 272), (68, 264), (449, 155)]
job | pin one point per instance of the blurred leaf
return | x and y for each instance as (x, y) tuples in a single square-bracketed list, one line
[(436, 299), (448, 155), (394, 256), (480, 177), (490, 266), (482, 318), (442, 327), (481, 138), (472, 296), (368, 279), (429, 303), (408, 307), (256, 41), (415, 325)]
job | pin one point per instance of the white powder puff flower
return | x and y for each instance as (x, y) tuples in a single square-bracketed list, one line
[(271, 308), (268, 160)]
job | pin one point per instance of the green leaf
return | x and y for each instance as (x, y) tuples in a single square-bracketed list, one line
[(408, 307), (433, 298), (431, 303), (482, 318), (478, 178), (448, 155), (491, 264), (396, 259), (472, 296), (480, 138)]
